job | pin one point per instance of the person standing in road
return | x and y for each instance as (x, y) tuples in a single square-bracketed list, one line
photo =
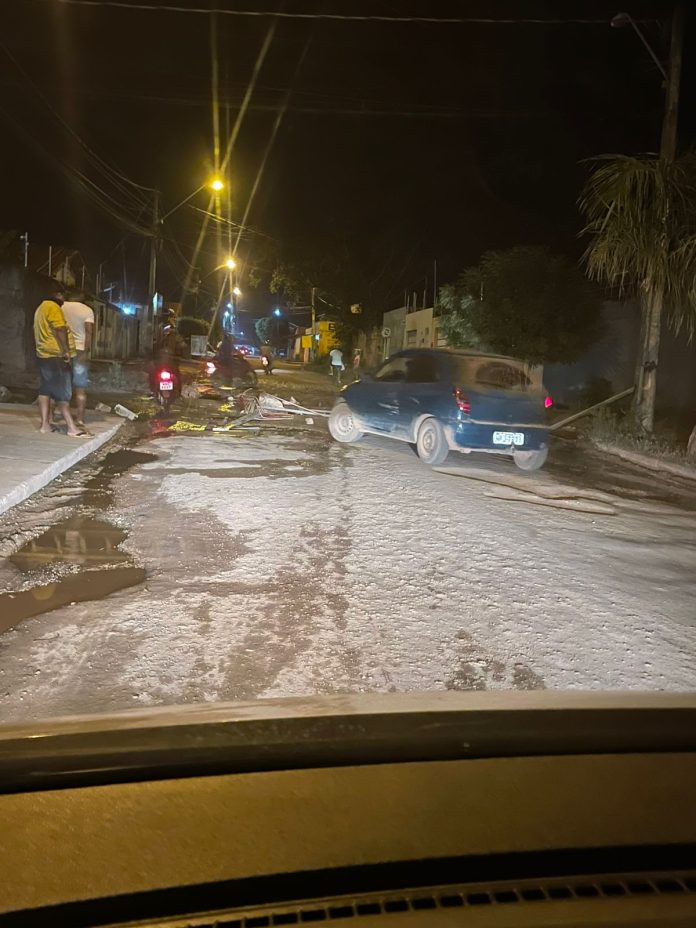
[(80, 319), (55, 349), (337, 365), (356, 363)]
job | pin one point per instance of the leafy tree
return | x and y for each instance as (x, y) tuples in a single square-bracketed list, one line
[(641, 217), (264, 329), (190, 325), (524, 302), (344, 270), (272, 330)]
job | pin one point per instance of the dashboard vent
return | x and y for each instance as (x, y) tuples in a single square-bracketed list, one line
[(458, 897)]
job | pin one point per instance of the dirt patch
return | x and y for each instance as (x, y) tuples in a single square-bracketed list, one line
[(478, 671)]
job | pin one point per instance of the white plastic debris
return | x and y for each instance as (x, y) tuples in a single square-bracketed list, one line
[(126, 413), (102, 407)]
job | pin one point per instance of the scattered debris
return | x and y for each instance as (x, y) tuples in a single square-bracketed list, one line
[(102, 407), (576, 504), (126, 413), (4, 395), (185, 425), (268, 406)]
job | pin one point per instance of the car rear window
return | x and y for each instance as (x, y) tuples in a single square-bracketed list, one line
[(502, 375)]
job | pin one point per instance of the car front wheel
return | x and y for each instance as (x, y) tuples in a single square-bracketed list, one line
[(342, 424), (530, 460), (431, 443)]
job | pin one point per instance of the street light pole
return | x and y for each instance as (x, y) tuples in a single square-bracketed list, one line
[(147, 332), (312, 351)]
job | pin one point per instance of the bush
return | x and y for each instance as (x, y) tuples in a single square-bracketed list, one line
[(191, 325), (608, 427)]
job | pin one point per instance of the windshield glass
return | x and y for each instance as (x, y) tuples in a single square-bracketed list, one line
[(344, 348)]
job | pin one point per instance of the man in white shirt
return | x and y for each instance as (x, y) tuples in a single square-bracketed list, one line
[(337, 365), (80, 319)]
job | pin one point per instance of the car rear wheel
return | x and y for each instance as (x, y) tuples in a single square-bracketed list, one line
[(342, 424), (530, 460), (431, 443)]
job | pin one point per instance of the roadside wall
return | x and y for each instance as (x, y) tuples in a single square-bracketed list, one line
[(610, 364), (370, 345), (115, 335), (395, 321), (21, 291), (419, 329)]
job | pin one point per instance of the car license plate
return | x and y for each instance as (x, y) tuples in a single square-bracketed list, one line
[(508, 438), (168, 385)]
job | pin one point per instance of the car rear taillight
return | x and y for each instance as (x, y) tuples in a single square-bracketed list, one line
[(165, 375), (462, 401), (548, 402)]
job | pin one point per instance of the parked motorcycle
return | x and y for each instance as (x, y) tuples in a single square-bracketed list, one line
[(167, 385)]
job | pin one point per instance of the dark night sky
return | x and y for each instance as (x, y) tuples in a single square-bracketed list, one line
[(476, 144)]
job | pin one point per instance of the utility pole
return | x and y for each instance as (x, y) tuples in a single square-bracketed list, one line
[(312, 352), (25, 242), (652, 326), (146, 336)]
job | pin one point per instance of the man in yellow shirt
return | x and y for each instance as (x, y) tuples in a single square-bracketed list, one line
[(55, 347)]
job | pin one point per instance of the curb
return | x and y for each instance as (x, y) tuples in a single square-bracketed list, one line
[(26, 489), (654, 464)]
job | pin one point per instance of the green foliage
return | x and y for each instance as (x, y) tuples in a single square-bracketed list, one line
[(609, 427), (641, 217), (190, 325), (271, 330), (264, 329), (344, 269), (524, 302)]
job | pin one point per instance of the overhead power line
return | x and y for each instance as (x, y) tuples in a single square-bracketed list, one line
[(109, 171), (337, 17)]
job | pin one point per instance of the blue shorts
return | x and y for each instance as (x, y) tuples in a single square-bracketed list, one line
[(54, 379), (80, 373)]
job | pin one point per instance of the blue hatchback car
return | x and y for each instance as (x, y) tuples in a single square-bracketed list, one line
[(449, 400)]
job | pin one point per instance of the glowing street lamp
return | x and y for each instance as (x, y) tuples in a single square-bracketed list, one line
[(230, 264), (215, 184)]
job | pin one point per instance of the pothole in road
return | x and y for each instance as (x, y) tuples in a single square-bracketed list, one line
[(74, 588), (78, 559), (97, 490), (51, 558)]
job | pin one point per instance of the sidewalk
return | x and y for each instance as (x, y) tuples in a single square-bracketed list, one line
[(30, 460)]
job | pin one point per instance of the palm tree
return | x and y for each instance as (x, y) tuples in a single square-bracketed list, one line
[(641, 216)]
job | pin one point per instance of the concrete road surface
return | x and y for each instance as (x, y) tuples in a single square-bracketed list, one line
[(207, 567)]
